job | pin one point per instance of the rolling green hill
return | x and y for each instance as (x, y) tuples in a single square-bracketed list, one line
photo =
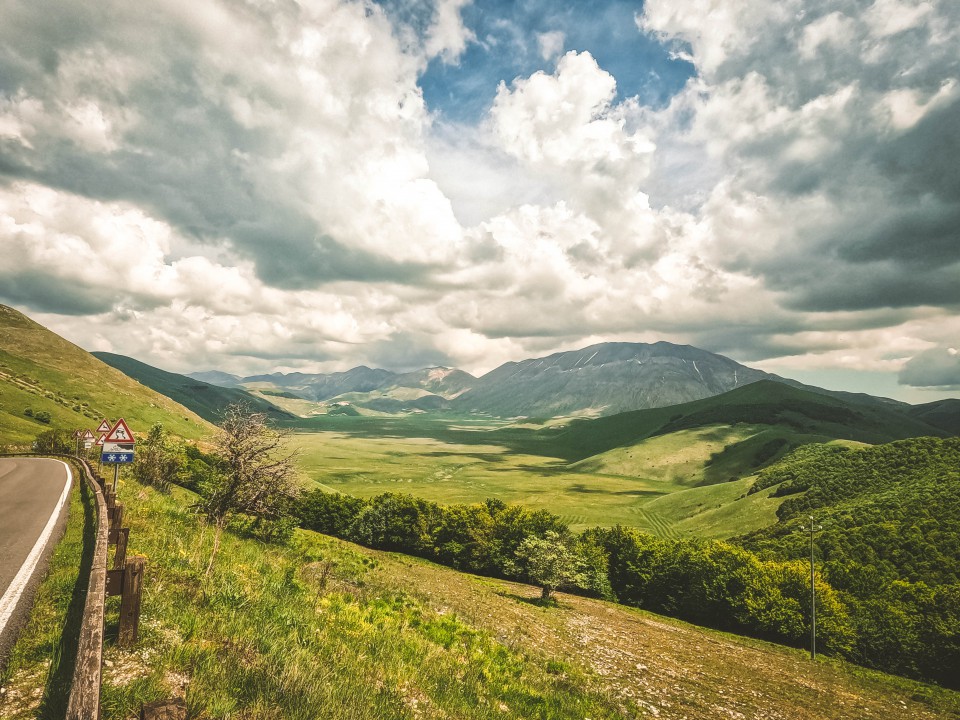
[(794, 417), (889, 543), (206, 400), (894, 508), (44, 373)]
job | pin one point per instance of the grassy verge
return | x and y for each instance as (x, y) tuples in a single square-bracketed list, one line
[(37, 677), (305, 632)]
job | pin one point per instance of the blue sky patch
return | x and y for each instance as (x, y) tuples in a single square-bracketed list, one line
[(507, 47)]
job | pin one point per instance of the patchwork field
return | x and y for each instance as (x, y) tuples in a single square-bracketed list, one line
[(655, 485)]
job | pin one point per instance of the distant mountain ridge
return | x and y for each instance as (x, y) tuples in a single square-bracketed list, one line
[(444, 383), (206, 400), (599, 380), (606, 379)]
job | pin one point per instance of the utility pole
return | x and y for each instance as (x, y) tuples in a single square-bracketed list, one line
[(812, 528)]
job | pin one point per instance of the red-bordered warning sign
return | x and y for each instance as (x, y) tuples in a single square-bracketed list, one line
[(99, 441), (104, 426), (88, 435), (119, 433)]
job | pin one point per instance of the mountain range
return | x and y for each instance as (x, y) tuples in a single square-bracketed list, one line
[(599, 380)]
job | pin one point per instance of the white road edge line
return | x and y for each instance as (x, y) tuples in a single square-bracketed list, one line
[(11, 597)]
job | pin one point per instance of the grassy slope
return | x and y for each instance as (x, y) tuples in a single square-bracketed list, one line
[(207, 401), (42, 371), (791, 410), (385, 636)]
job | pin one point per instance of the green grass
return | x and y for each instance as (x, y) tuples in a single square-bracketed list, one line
[(40, 667), (633, 486), (454, 473), (273, 635), (44, 372)]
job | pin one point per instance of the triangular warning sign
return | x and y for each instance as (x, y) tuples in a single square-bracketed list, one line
[(104, 426), (87, 435), (99, 441), (119, 433), (76, 434)]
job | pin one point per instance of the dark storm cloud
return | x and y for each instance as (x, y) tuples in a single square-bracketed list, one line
[(36, 290), (407, 351), (886, 231), (937, 367)]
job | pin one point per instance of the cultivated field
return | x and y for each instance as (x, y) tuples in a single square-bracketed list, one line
[(656, 485)]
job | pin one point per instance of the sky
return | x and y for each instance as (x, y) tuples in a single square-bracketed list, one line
[(260, 185)]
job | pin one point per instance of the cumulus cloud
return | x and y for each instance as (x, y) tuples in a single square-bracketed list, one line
[(447, 36), (937, 367), (232, 146), (258, 184)]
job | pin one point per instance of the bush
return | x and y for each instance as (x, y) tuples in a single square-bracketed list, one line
[(54, 442)]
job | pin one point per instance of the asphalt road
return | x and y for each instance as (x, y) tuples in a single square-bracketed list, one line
[(33, 494)]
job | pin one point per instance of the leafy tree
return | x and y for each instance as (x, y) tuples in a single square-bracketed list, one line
[(328, 513), (255, 476), (396, 522), (550, 562), (54, 442), (159, 461)]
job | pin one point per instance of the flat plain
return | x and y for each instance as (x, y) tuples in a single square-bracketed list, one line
[(658, 484)]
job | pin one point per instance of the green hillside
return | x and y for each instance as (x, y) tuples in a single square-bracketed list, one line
[(889, 544), (799, 417), (43, 373), (206, 400), (321, 628), (944, 414), (893, 508)]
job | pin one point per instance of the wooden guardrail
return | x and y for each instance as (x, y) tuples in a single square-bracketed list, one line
[(125, 579), (84, 701)]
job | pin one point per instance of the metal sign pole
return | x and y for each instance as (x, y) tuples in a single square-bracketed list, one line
[(116, 474)]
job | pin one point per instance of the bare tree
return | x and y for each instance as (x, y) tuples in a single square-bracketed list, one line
[(256, 475)]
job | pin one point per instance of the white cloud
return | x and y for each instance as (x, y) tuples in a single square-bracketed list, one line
[(551, 44), (447, 36)]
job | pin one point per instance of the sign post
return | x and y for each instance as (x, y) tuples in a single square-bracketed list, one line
[(117, 448)]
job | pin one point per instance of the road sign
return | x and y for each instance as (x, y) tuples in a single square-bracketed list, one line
[(87, 444), (99, 441), (104, 426), (119, 433), (87, 435), (116, 457), (114, 452), (76, 434)]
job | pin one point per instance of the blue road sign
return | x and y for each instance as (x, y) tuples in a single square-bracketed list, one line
[(117, 457)]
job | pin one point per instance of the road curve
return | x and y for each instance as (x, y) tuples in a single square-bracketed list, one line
[(33, 499)]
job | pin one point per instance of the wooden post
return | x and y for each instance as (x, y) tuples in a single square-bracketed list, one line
[(116, 517), (130, 600), (120, 557)]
